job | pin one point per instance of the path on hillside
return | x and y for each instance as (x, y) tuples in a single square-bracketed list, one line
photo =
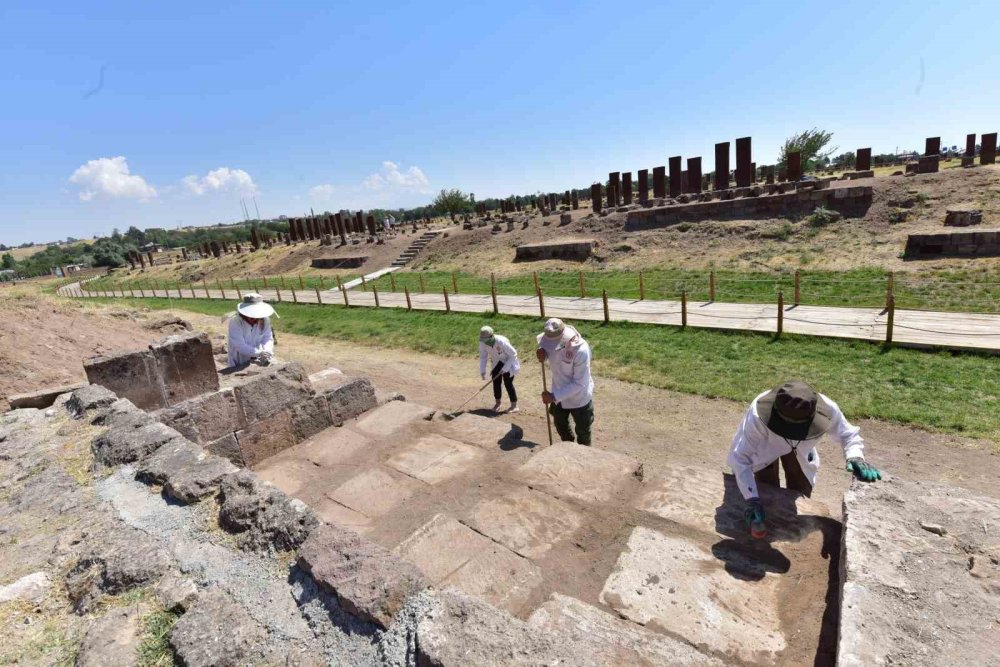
[(912, 328)]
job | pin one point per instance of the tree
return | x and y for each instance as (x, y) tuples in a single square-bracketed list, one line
[(810, 144), (452, 202), (845, 160), (7, 262)]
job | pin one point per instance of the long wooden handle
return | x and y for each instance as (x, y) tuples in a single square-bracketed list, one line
[(548, 417)]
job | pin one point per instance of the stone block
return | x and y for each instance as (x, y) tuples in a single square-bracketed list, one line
[(264, 438), (525, 521), (374, 492), (349, 398), (186, 366), (131, 375), (186, 471), (433, 459), (228, 447), (42, 398), (205, 418), (386, 419), (309, 417), (128, 444), (568, 249), (112, 640), (483, 432), (89, 397), (956, 218), (266, 393), (262, 517), (589, 475), (217, 632), (370, 582)]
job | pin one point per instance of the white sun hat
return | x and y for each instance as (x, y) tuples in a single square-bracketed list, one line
[(253, 306)]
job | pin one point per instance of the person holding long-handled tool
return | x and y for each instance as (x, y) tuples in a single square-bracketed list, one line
[(503, 361), (572, 392)]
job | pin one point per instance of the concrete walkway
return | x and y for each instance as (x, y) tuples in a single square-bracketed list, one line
[(911, 328)]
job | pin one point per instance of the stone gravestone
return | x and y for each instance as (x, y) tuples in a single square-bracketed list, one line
[(863, 162), (595, 197), (932, 146), (659, 182), (743, 161), (794, 166), (988, 149), (928, 164), (721, 165), (694, 175), (753, 172), (643, 186), (574, 200), (676, 180), (770, 174), (614, 189), (627, 188)]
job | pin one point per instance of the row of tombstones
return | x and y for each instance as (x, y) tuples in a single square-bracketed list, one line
[(544, 203)]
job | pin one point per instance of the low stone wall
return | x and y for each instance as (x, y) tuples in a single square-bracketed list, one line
[(767, 201), (961, 244), (573, 249), (352, 262)]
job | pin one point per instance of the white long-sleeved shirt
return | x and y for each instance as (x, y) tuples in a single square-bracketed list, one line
[(246, 341), (572, 384), (755, 446), (500, 352)]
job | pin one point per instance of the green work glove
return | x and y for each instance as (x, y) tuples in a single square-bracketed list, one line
[(754, 517), (863, 471)]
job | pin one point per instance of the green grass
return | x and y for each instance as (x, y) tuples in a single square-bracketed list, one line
[(154, 651), (946, 391), (972, 291)]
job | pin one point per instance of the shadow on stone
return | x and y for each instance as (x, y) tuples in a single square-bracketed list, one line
[(321, 608)]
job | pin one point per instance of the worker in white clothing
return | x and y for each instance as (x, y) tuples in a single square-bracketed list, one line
[(503, 361), (250, 337), (572, 393), (785, 424)]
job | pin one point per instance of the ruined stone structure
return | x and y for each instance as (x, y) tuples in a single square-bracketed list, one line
[(966, 244), (571, 249), (351, 262)]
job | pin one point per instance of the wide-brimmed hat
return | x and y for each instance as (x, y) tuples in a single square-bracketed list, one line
[(794, 410), (554, 328), (486, 333), (253, 306)]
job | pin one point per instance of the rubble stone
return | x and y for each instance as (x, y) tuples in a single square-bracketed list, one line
[(216, 632), (175, 593), (262, 517), (112, 640), (89, 397), (126, 444), (186, 471)]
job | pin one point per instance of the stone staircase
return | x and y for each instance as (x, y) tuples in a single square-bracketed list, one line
[(411, 252)]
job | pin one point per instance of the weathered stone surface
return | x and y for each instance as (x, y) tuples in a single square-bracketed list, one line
[(567, 470), (121, 414), (374, 492), (175, 593), (616, 641), (910, 596), (370, 582), (434, 459), (961, 217), (126, 444), (228, 447), (112, 640), (132, 375), (89, 397), (334, 447), (450, 554), (205, 418), (113, 561), (42, 398), (186, 471), (349, 398), (262, 517), (309, 417), (525, 521), (31, 587), (216, 632), (264, 438), (394, 415), (266, 393), (569, 249), (668, 583), (483, 431)]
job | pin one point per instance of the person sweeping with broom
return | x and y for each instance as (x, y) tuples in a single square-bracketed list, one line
[(784, 424), (572, 393), (502, 359)]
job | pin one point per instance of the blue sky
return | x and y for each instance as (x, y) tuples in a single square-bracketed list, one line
[(363, 105)]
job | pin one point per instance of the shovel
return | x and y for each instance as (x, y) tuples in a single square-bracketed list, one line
[(448, 416)]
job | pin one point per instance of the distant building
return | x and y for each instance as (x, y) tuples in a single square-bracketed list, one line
[(152, 247)]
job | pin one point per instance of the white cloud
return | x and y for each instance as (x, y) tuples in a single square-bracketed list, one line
[(390, 177), (221, 179), (322, 192), (110, 177)]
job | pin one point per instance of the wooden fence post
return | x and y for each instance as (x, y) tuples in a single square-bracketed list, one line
[(447, 304), (179, 295), (409, 306), (131, 291), (423, 287), (493, 293), (541, 304), (798, 291), (684, 308), (642, 287), (265, 282), (282, 278), (218, 284), (321, 283), (711, 285), (239, 295), (583, 287), (889, 293), (781, 313), (205, 285), (454, 282), (889, 320), (193, 296), (346, 302), (232, 283), (339, 286), (141, 292), (607, 311), (319, 299), (392, 281), (364, 284), (535, 275), (295, 297), (375, 292), (277, 291), (302, 283)]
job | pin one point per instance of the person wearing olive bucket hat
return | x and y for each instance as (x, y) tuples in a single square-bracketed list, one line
[(250, 337), (785, 424)]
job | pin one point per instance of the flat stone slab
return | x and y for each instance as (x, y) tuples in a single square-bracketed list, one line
[(374, 492), (287, 474), (41, 399), (621, 642), (912, 596), (450, 554), (525, 521), (434, 458), (567, 470), (667, 583), (333, 447), (386, 419), (482, 431), (332, 512)]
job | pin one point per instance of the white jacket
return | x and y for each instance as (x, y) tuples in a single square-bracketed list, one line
[(572, 384), (755, 446), (500, 352), (245, 341)]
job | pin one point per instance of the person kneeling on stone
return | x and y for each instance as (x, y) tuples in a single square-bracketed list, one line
[(785, 424), (503, 361), (572, 392), (250, 338)]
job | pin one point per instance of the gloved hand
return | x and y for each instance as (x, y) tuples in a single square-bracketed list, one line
[(863, 471), (754, 517)]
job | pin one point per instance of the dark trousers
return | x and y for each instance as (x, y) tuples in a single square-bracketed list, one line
[(795, 479), (508, 381), (583, 418)]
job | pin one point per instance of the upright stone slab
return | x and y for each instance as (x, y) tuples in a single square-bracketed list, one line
[(721, 165), (659, 182), (643, 186), (575, 201), (743, 161), (932, 146), (929, 164), (753, 172), (970, 145), (627, 188), (676, 179), (794, 166), (694, 175), (864, 159), (614, 189), (988, 149), (595, 197)]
